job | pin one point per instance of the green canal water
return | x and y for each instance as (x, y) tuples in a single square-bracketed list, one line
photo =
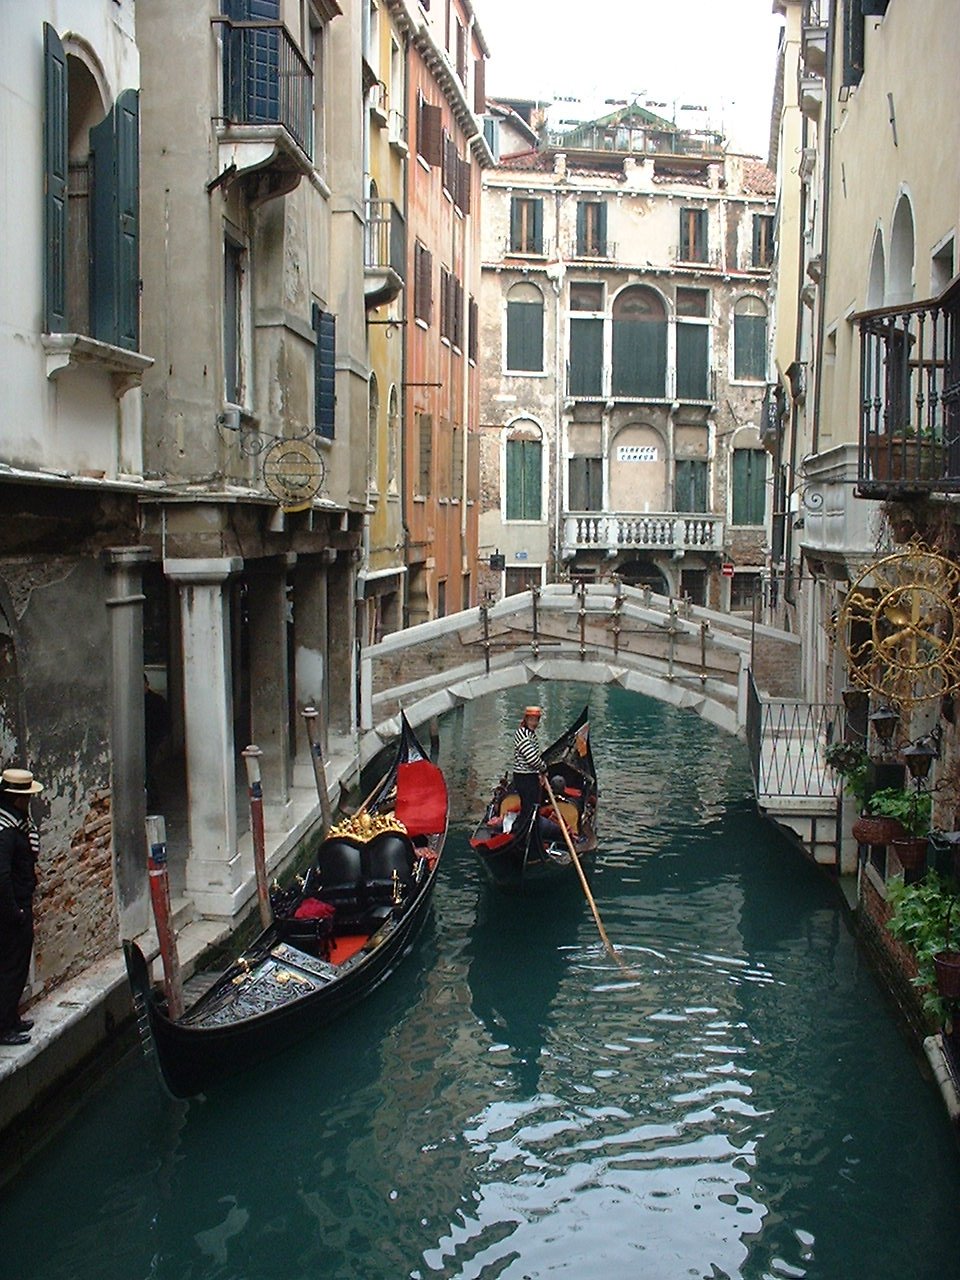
[(511, 1107)]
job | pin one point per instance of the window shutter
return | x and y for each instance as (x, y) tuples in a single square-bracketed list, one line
[(685, 215), (423, 283), (749, 491), (691, 486), (514, 495), (601, 245), (749, 346), (853, 32), (581, 228), (537, 226), (532, 484), (586, 357), (640, 358), (55, 177), (463, 185), (693, 342), (325, 351), (425, 441), (472, 334), (525, 336), (479, 86), (114, 221), (430, 134)]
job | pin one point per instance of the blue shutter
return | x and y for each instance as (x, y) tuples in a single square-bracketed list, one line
[(325, 399), (114, 224), (586, 357), (55, 183)]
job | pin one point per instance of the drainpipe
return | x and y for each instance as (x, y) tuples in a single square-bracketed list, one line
[(407, 316), (559, 393)]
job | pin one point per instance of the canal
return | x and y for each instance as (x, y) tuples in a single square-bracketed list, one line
[(510, 1107)]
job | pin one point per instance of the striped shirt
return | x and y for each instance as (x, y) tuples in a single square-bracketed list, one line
[(527, 757)]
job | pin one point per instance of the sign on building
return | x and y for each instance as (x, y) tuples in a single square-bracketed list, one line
[(637, 453)]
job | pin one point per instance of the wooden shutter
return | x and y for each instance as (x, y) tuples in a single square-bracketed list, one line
[(463, 185), (693, 343), (325, 352), (581, 229), (430, 133), (853, 33), (425, 459), (586, 357), (749, 347), (537, 226), (473, 344), (525, 336), (479, 86), (749, 491), (601, 230), (55, 180), (690, 490), (516, 224), (523, 479), (422, 283), (640, 358), (114, 224)]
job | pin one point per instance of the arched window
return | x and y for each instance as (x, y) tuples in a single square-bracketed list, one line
[(373, 432), (525, 329), (639, 344), (750, 340), (902, 242), (393, 441), (523, 472)]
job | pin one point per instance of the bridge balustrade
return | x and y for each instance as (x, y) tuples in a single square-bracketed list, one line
[(584, 530)]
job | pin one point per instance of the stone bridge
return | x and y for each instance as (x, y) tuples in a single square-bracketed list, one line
[(601, 633)]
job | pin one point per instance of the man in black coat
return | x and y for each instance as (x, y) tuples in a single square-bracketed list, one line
[(19, 846)]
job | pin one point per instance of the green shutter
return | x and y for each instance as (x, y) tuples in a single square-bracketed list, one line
[(750, 347), (523, 479), (586, 357), (114, 224), (586, 484), (693, 344), (538, 226), (525, 336), (516, 223), (749, 486), (601, 245), (581, 228), (691, 485), (640, 358), (55, 182)]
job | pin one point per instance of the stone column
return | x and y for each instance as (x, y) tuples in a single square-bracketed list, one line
[(127, 748), (269, 680), (214, 872)]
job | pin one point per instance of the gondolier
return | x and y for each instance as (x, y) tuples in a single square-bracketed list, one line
[(529, 766), (19, 847)]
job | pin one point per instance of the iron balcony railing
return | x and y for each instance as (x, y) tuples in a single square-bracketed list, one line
[(631, 138), (267, 80), (910, 397), (786, 741), (592, 249), (670, 531), (511, 248), (385, 239)]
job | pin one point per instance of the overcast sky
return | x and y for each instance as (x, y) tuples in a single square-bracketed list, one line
[(719, 54)]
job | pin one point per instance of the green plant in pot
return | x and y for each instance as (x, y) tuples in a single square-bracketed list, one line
[(920, 919), (911, 810), (851, 762)]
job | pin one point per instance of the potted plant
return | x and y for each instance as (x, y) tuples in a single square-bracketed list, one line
[(920, 918), (911, 811), (851, 762)]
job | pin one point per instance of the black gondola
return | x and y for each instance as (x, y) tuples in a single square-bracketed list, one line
[(512, 856), (336, 935)]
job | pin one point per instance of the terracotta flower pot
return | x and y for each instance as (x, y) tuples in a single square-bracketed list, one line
[(870, 830), (946, 965)]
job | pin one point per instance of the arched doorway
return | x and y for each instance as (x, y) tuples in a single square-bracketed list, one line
[(644, 573)]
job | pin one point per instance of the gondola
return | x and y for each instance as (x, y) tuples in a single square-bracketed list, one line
[(336, 934), (511, 856)]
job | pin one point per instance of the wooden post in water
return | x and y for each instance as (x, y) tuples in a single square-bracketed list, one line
[(582, 613), (160, 899), (314, 727), (534, 598), (251, 758), (485, 615)]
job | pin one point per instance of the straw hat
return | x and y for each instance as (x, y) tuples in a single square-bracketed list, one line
[(532, 711), (19, 782)]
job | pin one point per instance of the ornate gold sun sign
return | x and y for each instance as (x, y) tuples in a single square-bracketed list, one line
[(293, 471), (900, 626)]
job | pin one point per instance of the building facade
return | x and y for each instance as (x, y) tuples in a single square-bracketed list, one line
[(624, 313)]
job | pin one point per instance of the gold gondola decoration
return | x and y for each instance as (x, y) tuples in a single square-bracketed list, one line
[(900, 626)]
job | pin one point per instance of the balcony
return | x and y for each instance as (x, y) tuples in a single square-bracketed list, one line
[(541, 248), (590, 251), (909, 440), (384, 253), (811, 96), (267, 123), (649, 531), (813, 51)]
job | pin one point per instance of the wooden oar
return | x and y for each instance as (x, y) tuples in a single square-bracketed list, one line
[(611, 949)]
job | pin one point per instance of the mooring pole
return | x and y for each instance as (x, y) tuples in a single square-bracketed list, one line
[(485, 615), (251, 758), (534, 597), (311, 719), (583, 619), (617, 608), (703, 651), (160, 898)]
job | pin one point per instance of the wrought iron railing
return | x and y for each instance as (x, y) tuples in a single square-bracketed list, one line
[(674, 531), (591, 249), (910, 397), (266, 79), (786, 741), (385, 239), (542, 248)]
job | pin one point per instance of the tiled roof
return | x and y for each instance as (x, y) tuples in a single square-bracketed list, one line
[(758, 180)]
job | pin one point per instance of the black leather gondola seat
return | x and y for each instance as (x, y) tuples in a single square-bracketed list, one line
[(338, 877), (387, 854)]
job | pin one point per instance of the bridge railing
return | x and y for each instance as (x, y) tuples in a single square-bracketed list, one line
[(786, 739)]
